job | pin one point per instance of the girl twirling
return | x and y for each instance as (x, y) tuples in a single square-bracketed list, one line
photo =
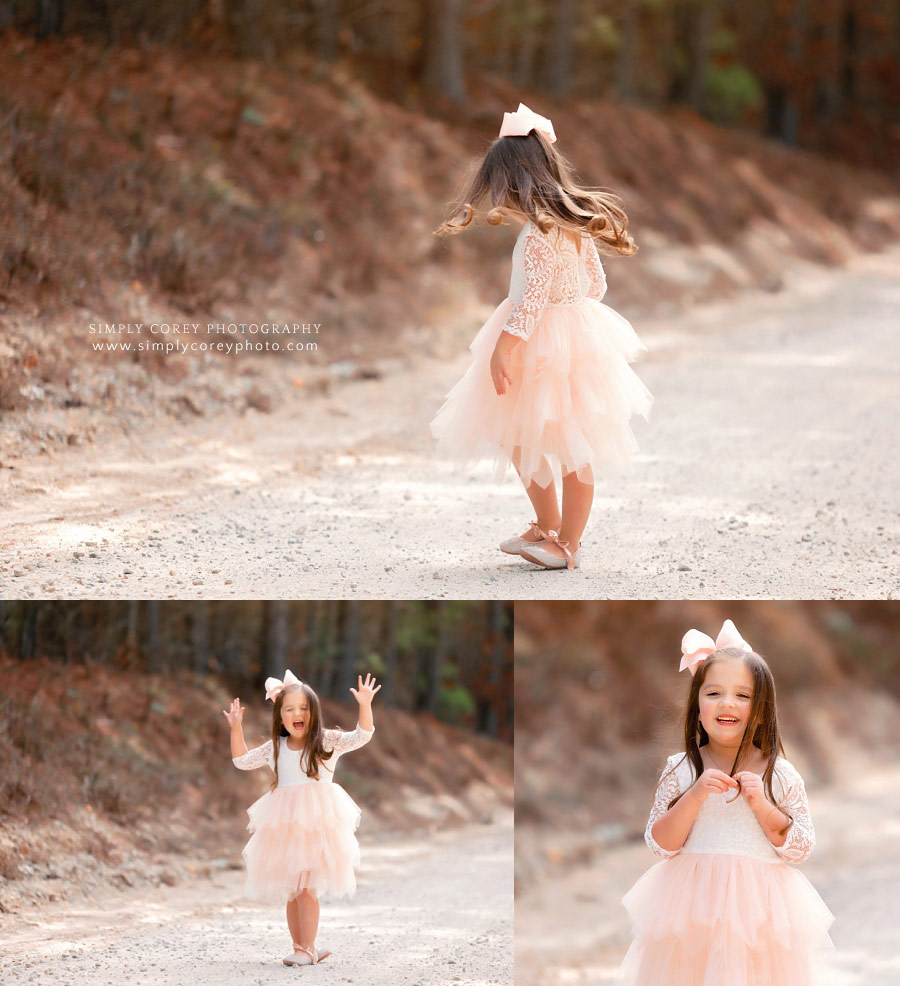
[(549, 388)]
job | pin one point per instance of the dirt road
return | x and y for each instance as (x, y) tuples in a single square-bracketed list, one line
[(768, 468), (573, 930), (416, 919)]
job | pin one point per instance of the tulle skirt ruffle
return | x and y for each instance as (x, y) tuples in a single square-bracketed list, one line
[(569, 406), (302, 838), (713, 919)]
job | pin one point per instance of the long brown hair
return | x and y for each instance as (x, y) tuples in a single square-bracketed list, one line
[(760, 732), (530, 175), (313, 752)]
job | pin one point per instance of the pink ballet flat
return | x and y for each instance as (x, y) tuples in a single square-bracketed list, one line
[(306, 956), (295, 959), (539, 555), (515, 546)]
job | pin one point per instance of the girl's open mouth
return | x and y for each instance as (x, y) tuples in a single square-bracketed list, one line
[(727, 720), (298, 724)]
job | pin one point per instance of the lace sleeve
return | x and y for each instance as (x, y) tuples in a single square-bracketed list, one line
[(667, 789), (801, 837), (595, 270), (260, 756), (342, 742), (538, 260)]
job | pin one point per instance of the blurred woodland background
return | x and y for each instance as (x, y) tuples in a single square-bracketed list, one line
[(597, 684), (116, 756), (822, 75), (247, 160), (599, 701)]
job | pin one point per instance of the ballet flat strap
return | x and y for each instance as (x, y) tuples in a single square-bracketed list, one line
[(555, 538)]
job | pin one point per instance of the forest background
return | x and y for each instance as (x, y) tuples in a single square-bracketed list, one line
[(244, 159), (117, 765)]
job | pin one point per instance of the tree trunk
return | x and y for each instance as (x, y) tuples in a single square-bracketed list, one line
[(200, 636), (561, 46), (491, 723), (391, 690), (50, 17), (790, 124), (437, 658), (828, 95), (523, 70), (313, 658), (328, 684), (849, 54), (442, 70), (251, 36), (350, 646), (327, 15), (624, 71), (275, 638), (702, 31), (131, 632), (151, 655), (28, 636)]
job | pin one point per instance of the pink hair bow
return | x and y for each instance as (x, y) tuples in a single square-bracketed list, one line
[(523, 121), (697, 646), (274, 687)]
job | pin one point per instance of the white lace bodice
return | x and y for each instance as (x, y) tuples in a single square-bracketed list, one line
[(290, 768), (549, 269), (725, 826)]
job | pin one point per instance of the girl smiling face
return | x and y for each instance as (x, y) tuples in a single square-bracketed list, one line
[(730, 718), (725, 701)]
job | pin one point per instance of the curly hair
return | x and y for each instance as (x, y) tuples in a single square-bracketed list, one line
[(528, 175)]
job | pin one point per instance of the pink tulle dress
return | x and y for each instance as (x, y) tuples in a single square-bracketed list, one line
[(302, 833), (727, 908), (573, 394)]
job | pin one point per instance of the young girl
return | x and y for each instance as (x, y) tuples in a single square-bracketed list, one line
[(728, 817), (302, 841), (549, 387)]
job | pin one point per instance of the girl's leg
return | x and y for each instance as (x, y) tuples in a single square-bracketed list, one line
[(308, 907), (293, 920), (578, 498), (544, 501), (546, 508)]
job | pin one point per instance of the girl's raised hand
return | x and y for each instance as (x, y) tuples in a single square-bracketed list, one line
[(712, 781), (234, 714), (365, 690), (752, 789)]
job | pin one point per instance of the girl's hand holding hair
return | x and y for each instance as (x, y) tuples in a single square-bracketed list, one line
[(711, 781), (364, 693), (670, 830), (752, 790), (772, 819)]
